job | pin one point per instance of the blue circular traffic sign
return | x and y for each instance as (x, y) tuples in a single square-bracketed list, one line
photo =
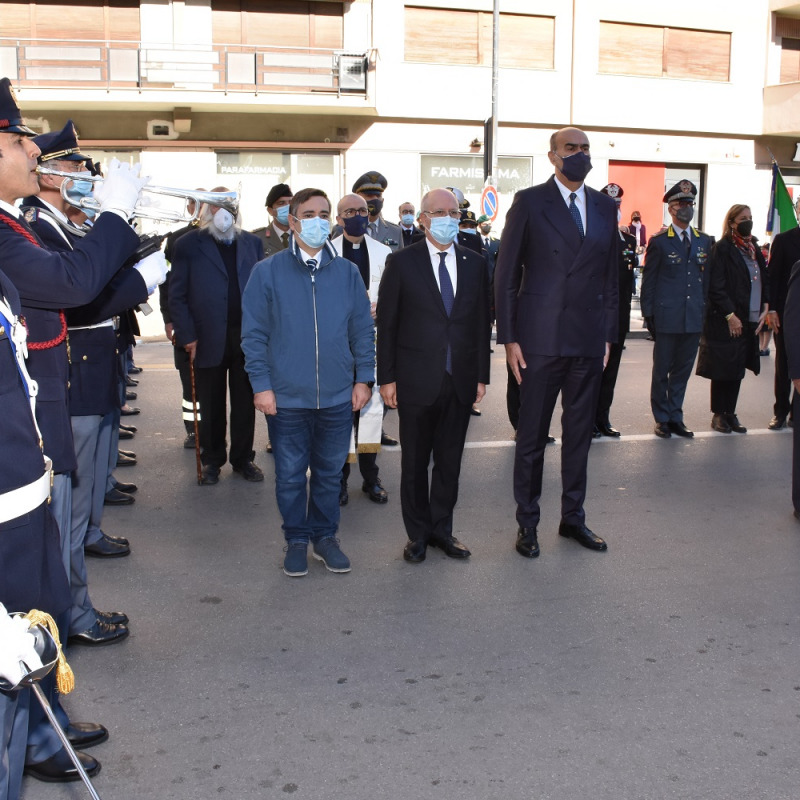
[(490, 202)]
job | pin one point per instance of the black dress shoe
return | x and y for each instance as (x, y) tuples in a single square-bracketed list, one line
[(388, 441), (719, 423), (85, 734), (125, 461), (375, 491), (607, 429), (128, 453), (100, 633), (129, 411), (123, 434), (596, 432), (451, 547), (134, 370), (60, 769), (117, 498), (250, 472), (414, 552), (269, 446), (476, 412), (107, 548), (527, 543), (582, 535), (189, 441), (117, 539), (344, 496), (734, 423), (210, 475), (662, 430), (679, 429), (131, 428), (131, 381), (130, 395), (550, 439), (112, 617), (126, 488), (776, 423)]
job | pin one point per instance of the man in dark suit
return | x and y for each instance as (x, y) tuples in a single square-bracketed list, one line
[(433, 363), (674, 292), (791, 333), (785, 251), (210, 270), (275, 237), (557, 309), (410, 232)]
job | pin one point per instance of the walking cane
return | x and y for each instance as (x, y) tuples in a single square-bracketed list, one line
[(196, 424)]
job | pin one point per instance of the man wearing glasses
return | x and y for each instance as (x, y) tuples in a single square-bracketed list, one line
[(674, 293)]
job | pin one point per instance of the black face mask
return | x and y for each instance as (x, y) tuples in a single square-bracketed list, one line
[(576, 167), (745, 227), (375, 206)]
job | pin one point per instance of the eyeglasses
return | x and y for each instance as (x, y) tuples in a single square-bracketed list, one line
[(442, 212), (349, 213)]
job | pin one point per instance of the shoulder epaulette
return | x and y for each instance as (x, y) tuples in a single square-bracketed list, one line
[(30, 213), (662, 232)]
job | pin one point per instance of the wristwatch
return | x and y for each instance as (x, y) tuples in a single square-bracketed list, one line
[(368, 384)]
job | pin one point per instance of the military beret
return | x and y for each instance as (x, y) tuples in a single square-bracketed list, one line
[(483, 218), (468, 216), (276, 192), (682, 190), (370, 182), (614, 191), (61, 144), (10, 115)]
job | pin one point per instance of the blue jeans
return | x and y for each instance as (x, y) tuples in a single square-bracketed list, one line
[(319, 439)]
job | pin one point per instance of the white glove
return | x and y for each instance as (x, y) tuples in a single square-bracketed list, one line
[(16, 644), (120, 189), (153, 269)]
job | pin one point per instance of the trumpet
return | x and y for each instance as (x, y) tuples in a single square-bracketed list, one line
[(227, 200)]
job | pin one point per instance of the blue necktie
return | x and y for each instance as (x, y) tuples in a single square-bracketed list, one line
[(576, 215), (448, 298), (312, 264)]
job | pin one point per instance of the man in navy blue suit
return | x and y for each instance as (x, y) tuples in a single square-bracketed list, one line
[(210, 270), (556, 299)]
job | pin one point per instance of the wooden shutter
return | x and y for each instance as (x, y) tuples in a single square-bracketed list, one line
[(526, 41), (790, 60), (17, 20), (704, 55), (631, 49), (441, 36)]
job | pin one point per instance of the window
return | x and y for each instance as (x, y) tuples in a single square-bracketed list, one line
[(787, 31), (649, 50), (450, 36), (92, 19)]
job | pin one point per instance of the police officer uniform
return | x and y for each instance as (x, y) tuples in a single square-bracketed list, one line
[(675, 285), (371, 186)]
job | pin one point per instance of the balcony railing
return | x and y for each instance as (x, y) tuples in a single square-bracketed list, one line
[(56, 63)]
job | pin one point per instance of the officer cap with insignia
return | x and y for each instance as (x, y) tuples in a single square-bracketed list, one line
[(682, 190), (10, 115), (370, 183), (614, 191), (276, 192), (468, 218), (462, 201), (60, 145)]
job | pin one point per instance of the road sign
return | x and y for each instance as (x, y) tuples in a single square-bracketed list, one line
[(489, 202)]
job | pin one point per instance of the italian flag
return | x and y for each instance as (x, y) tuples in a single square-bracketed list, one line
[(780, 216)]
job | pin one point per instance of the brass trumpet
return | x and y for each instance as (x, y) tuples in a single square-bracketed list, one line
[(227, 200)]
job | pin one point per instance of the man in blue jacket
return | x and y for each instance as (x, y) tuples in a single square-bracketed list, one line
[(306, 331)]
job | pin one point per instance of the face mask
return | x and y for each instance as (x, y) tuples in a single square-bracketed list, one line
[(356, 226), (407, 220), (576, 167), (444, 229), (619, 217), (79, 189), (375, 206), (315, 231), (684, 214), (473, 231), (282, 215), (485, 229), (223, 220), (745, 227)]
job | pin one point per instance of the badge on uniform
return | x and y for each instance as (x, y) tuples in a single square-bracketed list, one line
[(31, 215)]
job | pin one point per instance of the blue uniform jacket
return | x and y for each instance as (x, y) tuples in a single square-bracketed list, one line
[(674, 287)]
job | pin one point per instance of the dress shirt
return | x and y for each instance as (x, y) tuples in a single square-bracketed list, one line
[(449, 262), (12, 211), (278, 232), (580, 200)]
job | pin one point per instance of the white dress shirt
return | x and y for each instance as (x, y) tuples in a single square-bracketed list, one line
[(580, 200)]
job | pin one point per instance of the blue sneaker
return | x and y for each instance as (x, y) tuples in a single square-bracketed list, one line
[(295, 564), (327, 551)]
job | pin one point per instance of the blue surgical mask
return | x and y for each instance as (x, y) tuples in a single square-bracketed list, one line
[(444, 229), (315, 231), (282, 215), (473, 231), (356, 226), (576, 167), (407, 220), (76, 191)]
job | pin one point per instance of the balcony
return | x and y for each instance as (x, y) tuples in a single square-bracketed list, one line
[(782, 110), (120, 66)]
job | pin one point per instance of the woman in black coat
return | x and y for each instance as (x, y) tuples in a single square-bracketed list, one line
[(738, 303)]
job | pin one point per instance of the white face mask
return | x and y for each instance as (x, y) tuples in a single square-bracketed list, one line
[(223, 220)]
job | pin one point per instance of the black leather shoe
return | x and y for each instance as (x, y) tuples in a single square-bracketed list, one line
[(129, 395), (662, 430), (451, 547), (125, 461), (344, 496), (117, 539), (414, 552), (131, 381), (112, 617), (131, 428), (85, 734), (250, 472), (106, 548), (527, 543), (128, 453), (734, 423), (776, 423), (582, 535), (607, 429), (375, 491), (60, 769), (269, 446), (596, 432), (719, 423), (123, 434), (134, 370), (388, 441), (100, 633), (129, 411), (550, 439), (126, 488), (679, 429), (476, 412), (188, 442), (210, 475), (117, 498)]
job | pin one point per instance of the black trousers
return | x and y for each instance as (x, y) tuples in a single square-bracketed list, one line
[(796, 455), (783, 385), (724, 396), (437, 430), (609, 381), (212, 390), (512, 398), (181, 359), (367, 462)]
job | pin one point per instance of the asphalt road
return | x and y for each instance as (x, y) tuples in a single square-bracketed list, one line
[(668, 667)]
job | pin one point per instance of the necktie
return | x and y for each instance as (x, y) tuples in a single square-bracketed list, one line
[(576, 215), (373, 229), (448, 298), (687, 242), (312, 264), (285, 239)]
